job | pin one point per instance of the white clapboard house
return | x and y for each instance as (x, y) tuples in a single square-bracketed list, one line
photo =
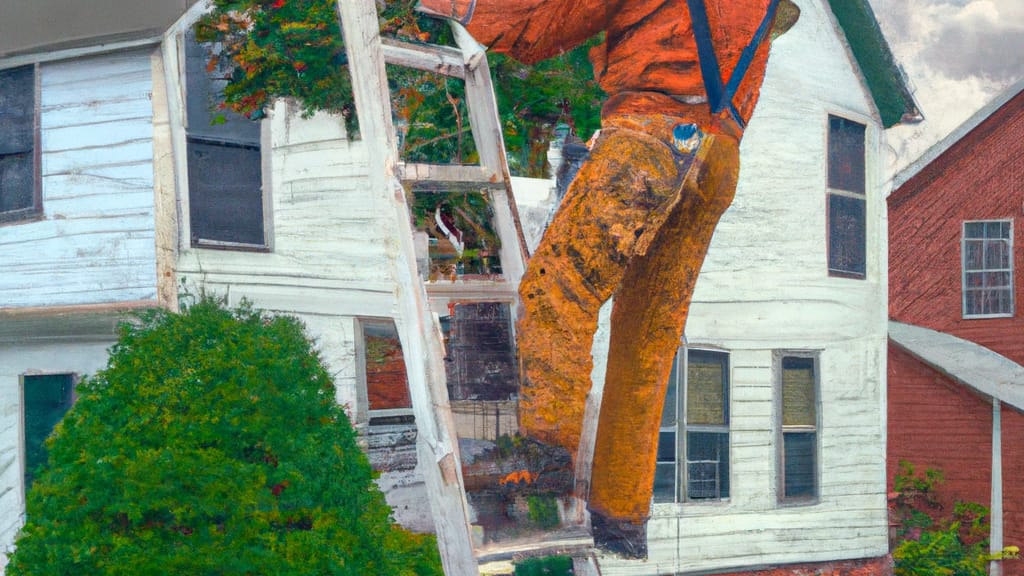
[(116, 191)]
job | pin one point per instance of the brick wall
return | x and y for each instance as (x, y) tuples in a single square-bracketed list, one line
[(978, 178), (935, 422)]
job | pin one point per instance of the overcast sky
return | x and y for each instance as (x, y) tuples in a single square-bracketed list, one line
[(958, 54)]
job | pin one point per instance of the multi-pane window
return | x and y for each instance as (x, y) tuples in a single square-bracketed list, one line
[(847, 251), (987, 252), (225, 183), (19, 144), (799, 415), (46, 399), (693, 444)]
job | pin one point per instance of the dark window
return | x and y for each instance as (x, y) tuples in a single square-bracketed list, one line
[(847, 253), (481, 357), (19, 193), (47, 399), (799, 428), (987, 255), (224, 162), (704, 417)]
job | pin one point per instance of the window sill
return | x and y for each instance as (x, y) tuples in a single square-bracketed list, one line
[(15, 217), (987, 316), (689, 508), (799, 502), (847, 275), (229, 246)]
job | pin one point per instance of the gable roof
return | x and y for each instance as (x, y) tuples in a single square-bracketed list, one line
[(883, 76), (968, 126), (970, 364), (41, 25)]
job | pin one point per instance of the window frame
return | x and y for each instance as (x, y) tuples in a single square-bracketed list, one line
[(964, 271), (182, 147), (843, 193), (22, 421), (35, 211), (364, 414), (781, 429), (682, 428)]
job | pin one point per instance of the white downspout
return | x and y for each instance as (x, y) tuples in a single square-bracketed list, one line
[(996, 514)]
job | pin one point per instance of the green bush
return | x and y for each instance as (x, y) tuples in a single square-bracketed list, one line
[(546, 566), (939, 553), (211, 444), (932, 543), (543, 511)]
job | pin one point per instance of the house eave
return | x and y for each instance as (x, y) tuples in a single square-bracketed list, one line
[(884, 78), (966, 362), (47, 25)]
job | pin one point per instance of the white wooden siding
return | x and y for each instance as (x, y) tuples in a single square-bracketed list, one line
[(95, 242), (83, 356)]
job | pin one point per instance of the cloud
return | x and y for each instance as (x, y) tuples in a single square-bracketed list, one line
[(957, 54), (982, 38)]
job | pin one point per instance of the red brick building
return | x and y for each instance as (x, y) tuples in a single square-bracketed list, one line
[(956, 301)]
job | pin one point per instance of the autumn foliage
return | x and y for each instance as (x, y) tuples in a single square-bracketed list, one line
[(270, 49), (211, 444)]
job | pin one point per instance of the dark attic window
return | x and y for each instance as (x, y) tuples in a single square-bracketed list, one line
[(847, 206)]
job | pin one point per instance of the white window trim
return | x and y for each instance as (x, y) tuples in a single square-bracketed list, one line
[(868, 124), (173, 52), (963, 271), (680, 429), (363, 413), (780, 464)]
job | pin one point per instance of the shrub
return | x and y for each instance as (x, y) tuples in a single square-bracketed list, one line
[(546, 566), (931, 543), (211, 444)]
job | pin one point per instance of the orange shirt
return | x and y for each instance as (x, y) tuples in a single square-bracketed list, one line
[(648, 63)]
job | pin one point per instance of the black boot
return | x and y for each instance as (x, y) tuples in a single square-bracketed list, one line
[(619, 536)]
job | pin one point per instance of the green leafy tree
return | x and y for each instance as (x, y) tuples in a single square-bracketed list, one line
[(294, 48), (211, 444)]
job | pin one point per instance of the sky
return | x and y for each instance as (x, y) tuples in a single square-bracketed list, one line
[(958, 55)]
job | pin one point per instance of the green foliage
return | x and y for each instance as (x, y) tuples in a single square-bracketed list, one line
[(534, 99), (939, 553), (211, 444), (545, 566), (933, 544), (277, 49), (294, 49), (542, 511)]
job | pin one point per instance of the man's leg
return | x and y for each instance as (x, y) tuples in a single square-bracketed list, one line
[(647, 321), (622, 193)]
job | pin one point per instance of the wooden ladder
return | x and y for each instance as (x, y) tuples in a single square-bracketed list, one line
[(417, 322)]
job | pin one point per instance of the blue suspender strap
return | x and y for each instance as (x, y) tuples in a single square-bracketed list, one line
[(719, 96), (709, 68), (744, 62)]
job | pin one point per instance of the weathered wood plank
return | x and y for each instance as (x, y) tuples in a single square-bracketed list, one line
[(98, 135), (437, 59)]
